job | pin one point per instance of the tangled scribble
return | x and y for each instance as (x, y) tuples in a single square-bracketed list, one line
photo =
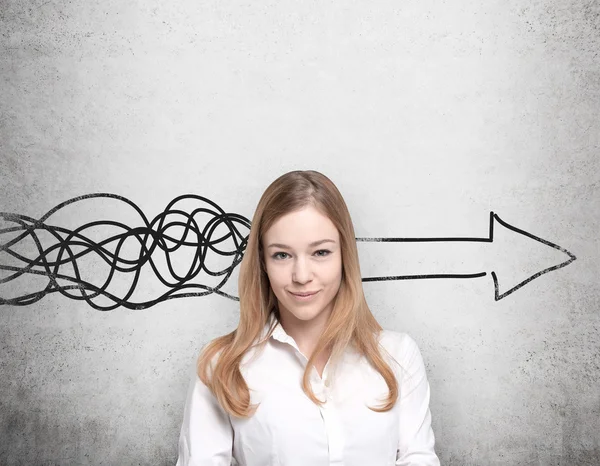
[(60, 263)]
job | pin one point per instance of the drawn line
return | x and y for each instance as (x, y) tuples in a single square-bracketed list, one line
[(490, 239), (153, 242)]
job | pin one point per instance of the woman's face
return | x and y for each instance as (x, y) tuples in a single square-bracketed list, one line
[(295, 265)]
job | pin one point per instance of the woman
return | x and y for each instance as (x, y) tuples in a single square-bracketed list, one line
[(296, 383)]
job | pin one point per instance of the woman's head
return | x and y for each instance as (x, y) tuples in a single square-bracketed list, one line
[(302, 255), (296, 209)]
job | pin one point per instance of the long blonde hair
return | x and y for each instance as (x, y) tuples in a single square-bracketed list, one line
[(351, 322)]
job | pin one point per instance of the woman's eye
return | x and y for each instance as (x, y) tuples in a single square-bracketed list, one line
[(325, 252)]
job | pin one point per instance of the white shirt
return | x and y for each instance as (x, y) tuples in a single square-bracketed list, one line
[(288, 429)]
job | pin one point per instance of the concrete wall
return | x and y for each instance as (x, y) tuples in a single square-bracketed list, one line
[(427, 115)]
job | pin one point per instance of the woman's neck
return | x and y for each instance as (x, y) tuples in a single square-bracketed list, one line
[(306, 333)]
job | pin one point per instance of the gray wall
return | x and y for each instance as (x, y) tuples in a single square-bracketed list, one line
[(427, 115)]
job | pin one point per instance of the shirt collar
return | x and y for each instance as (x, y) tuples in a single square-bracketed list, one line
[(278, 333)]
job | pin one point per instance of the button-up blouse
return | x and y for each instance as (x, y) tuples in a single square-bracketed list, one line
[(288, 429)]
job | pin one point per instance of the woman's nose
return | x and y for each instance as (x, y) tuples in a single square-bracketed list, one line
[(301, 272)]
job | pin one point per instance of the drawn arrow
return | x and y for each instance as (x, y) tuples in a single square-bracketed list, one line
[(194, 241), (457, 250)]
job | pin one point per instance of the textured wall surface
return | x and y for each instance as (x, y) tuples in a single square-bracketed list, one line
[(427, 115)]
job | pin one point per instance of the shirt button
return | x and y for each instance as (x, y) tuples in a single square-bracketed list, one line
[(327, 382)]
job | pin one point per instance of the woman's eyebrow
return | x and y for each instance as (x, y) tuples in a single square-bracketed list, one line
[(313, 244)]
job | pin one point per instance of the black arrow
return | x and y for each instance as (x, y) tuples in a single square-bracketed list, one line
[(475, 274)]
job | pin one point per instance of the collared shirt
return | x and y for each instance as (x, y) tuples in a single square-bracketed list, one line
[(288, 429)]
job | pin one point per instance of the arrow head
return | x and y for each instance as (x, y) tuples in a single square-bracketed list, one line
[(519, 256)]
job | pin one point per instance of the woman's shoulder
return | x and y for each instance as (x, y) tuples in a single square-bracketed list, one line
[(215, 356), (396, 339), (402, 347)]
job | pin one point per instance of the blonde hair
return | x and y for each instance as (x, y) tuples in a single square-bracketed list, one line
[(351, 322)]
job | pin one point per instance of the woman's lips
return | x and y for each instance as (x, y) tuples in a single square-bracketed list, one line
[(304, 297)]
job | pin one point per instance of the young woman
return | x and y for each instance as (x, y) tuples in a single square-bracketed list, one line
[(296, 384)]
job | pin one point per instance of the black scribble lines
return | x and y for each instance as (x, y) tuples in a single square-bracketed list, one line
[(60, 262)]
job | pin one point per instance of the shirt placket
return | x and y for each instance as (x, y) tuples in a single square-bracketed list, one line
[(329, 412), (331, 419)]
